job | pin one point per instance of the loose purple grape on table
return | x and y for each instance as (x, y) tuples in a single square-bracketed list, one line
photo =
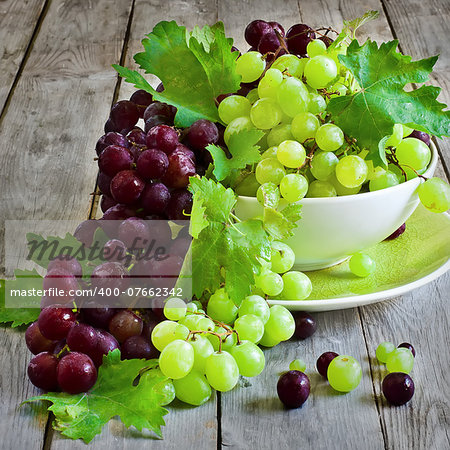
[(324, 361), (305, 325), (398, 388), (293, 388)]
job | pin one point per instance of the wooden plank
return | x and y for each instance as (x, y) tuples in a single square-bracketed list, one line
[(186, 427), (46, 162), (421, 29), (18, 22)]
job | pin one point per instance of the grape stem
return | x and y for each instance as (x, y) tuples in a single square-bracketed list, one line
[(326, 29), (309, 157), (392, 158)]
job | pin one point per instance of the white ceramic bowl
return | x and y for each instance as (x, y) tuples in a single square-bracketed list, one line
[(333, 228)]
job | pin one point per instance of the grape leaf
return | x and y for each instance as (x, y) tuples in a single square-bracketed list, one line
[(24, 281), (243, 149), (198, 220), (280, 224), (82, 416), (194, 68), (224, 251), (370, 114)]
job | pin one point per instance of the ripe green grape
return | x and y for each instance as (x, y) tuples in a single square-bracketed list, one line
[(270, 282), (329, 137), (222, 371), (304, 126), (176, 359), (323, 165), (319, 189), (256, 305), (268, 85), (344, 373), (340, 189), (351, 171), (281, 324), (298, 364), (396, 136), (435, 195), (383, 181), (205, 324), (250, 66), (320, 71), (268, 194), (191, 307), (191, 321), (248, 186), (291, 154), (252, 96), (317, 104), (269, 170), (293, 187), (236, 126), (249, 358), (361, 265), (384, 350), (232, 107), (265, 114), (297, 286), (291, 64), (293, 97), (202, 349), (221, 307), (271, 152), (279, 134), (400, 360), (414, 153), (175, 308), (316, 47), (167, 331), (282, 257), (249, 328), (406, 130), (192, 389), (268, 341)]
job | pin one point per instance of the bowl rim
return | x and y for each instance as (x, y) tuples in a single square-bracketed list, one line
[(364, 195)]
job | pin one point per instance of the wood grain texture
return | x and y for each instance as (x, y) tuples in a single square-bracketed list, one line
[(18, 20)]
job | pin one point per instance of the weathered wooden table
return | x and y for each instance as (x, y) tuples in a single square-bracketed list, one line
[(56, 88)]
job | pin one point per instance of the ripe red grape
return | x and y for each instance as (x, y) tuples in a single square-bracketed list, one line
[(293, 388), (305, 325), (124, 114), (141, 99), (111, 138), (126, 187), (110, 275), (152, 163), (138, 347), (55, 322), (298, 37), (61, 285), (201, 133), (67, 264), (125, 324), (82, 338), (180, 148), (113, 159), (160, 109), (36, 342), (255, 30), (269, 43), (162, 137), (42, 371), (155, 198), (277, 27), (181, 167), (115, 251), (105, 343), (133, 230), (153, 121), (421, 135), (180, 203), (324, 361), (98, 316), (398, 388), (136, 136), (76, 373)]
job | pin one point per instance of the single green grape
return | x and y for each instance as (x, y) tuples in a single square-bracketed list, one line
[(282, 257), (292, 64), (297, 286), (396, 136), (329, 137), (192, 389), (414, 153), (232, 107), (435, 195), (293, 187), (384, 350), (269, 170), (191, 307), (271, 152), (340, 189), (291, 154), (236, 126), (268, 341), (249, 358), (265, 113), (304, 126), (351, 171), (320, 71), (317, 104), (250, 66), (361, 265), (279, 134), (268, 194), (270, 282), (323, 165), (222, 371), (248, 186), (319, 189), (190, 321), (202, 349), (316, 47), (252, 96), (175, 308), (205, 324), (406, 130), (167, 331), (280, 326), (298, 364), (221, 307), (293, 97), (249, 328), (400, 360), (268, 85), (256, 305), (176, 359), (198, 304), (344, 373), (383, 181)]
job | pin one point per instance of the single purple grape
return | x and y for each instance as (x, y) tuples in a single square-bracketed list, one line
[(136, 136), (124, 325), (324, 361), (107, 202), (180, 205), (138, 347), (293, 388), (305, 325), (255, 30), (126, 187), (160, 109), (409, 347), (114, 159), (36, 342), (422, 136), (42, 371), (398, 388), (97, 316), (155, 198), (76, 373), (85, 231), (398, 232), (180, 148), (82, 338), (141, 99), (162, 137), (106, 343), (277, 27), (152, 164), (298, 37), (115, 251), (124, 114), (55, 322), (110, 275), (155, 121), (269, 43), (201, 133), (104, 183), (134, 231), (110, 126), (180, 169)]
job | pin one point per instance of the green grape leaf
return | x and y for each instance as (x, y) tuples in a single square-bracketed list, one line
[(382, 73), (194, 68), (225, 251), (280, 224), (82, 416), (243, 150), (28, 283), (379, 157), (198, 219)]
